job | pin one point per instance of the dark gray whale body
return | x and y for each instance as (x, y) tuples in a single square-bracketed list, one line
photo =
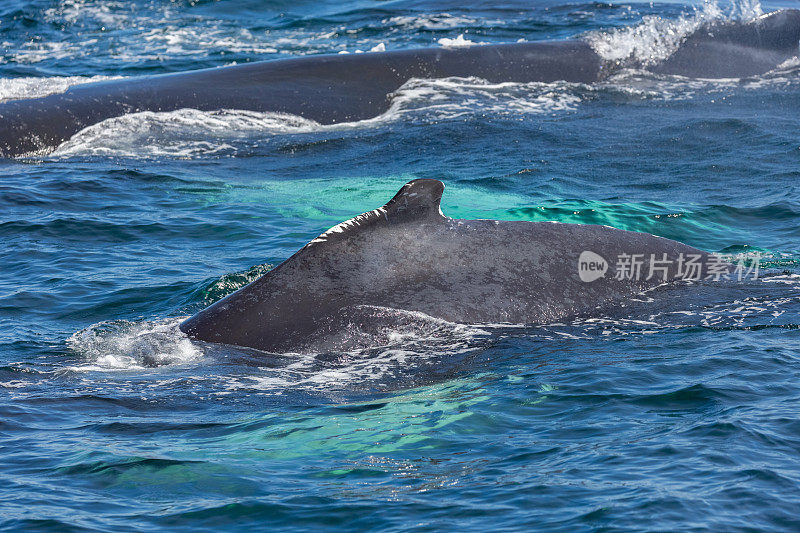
[(408, 256), (340, 88)]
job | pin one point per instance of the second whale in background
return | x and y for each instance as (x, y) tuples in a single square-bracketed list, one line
[(343, 88)]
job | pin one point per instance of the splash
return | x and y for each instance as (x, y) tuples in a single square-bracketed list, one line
[(125, 345), (655, 38)]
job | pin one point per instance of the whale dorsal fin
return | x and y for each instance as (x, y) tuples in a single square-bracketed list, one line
[(416, 200)]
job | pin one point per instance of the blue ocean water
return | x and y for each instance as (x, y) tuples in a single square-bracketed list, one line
[(676, 414)]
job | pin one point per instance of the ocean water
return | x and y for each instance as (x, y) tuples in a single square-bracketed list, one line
[(676, 413)]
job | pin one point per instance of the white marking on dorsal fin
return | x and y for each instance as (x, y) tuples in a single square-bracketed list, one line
[(416, 200), (354, 222)]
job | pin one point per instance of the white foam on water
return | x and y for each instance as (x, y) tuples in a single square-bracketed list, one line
[(126, 345), (449, 98), (155, 32), (409, 340), (20, 88), (376, 354), (181, 133), (787, 279), (380, 47), (769, 301), (110, 14), (458, 42), (175, 41), (351, 369), (14, 384)]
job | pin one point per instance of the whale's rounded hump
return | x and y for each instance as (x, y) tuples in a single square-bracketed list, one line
[(417, 199), (779, 30), (736, 49)]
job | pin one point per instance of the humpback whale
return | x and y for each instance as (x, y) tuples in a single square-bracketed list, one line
[(342, 88), (407, 255)]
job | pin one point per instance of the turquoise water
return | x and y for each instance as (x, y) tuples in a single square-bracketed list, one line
[(674, 414)]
